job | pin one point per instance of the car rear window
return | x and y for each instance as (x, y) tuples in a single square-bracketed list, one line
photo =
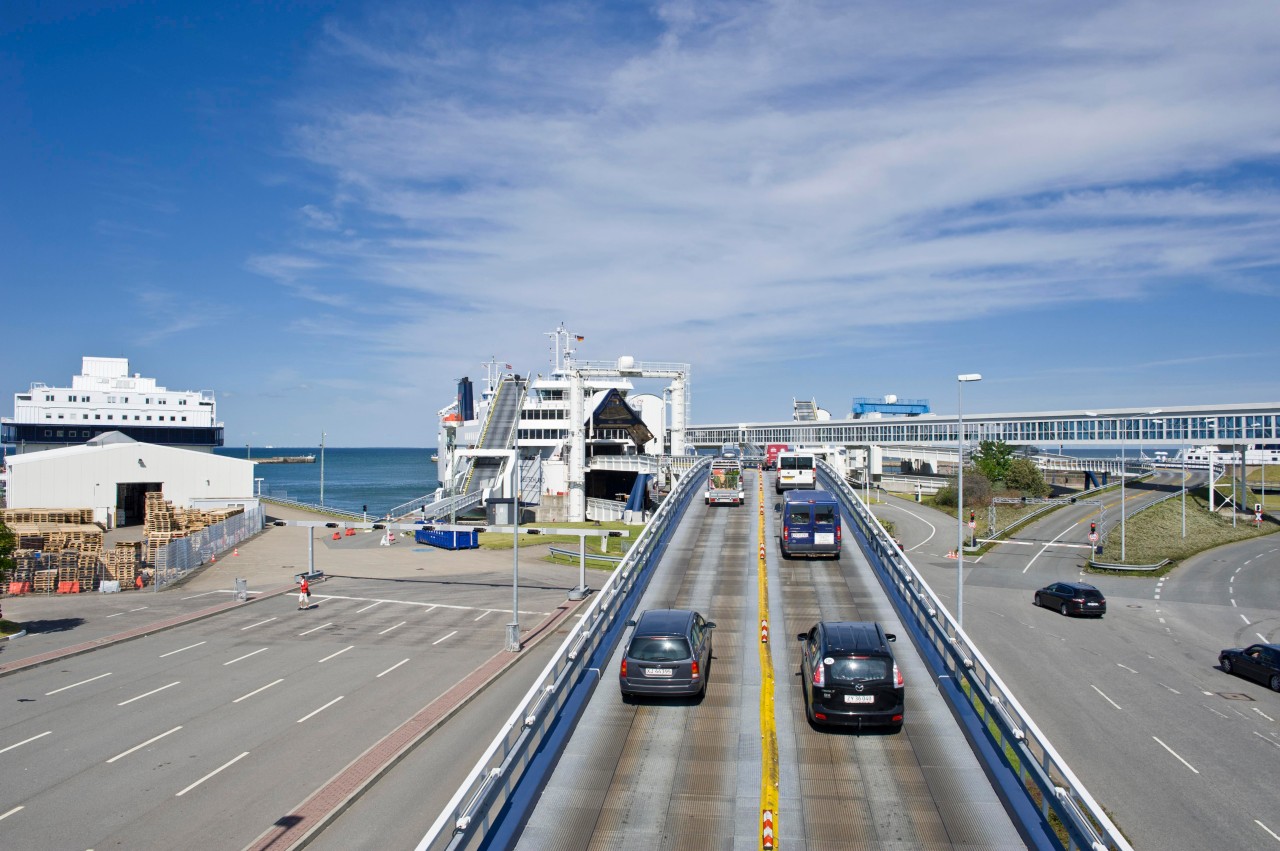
[(1091, 595), (646, 649), (859, 669), (824, 514)]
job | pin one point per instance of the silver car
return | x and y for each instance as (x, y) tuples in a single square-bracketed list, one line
[(668, 654)]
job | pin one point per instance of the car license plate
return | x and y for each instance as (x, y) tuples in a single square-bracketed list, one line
[(824, 538), (1091, 604), (658, 672), (859, 698)]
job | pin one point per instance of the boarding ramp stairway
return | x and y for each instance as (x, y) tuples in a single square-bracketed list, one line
[(1037, 786), (499, 433)]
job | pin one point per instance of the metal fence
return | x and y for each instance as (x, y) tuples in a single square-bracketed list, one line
[(1024, 767), (182, 555), (473, 814)]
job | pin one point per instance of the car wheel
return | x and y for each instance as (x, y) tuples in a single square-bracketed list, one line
[(1037, 600), (1275, 682), (1226, 665), (1063, 608)]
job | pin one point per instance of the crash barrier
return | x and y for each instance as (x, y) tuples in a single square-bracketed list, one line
[(1027, 772), (1140, 568), (499, 793), (573, 554), (182, 555)]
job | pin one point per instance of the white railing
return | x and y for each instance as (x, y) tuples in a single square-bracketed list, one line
[(472, 812), (1002, 719), (626, 463), (605, 509)]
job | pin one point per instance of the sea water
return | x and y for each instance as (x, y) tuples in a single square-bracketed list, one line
[(380, 479)]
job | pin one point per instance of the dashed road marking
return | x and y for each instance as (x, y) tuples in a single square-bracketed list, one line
[(1175, 754), (24, 741), (211, 773), (314, 628), (255, 691), (245, 656), (180, 649), (148, 694), (450, 635), (392, 668), (321, 709), (397, 626), (259, 623), (73, 685), (144, 744), (339, 653), (1104, 697)]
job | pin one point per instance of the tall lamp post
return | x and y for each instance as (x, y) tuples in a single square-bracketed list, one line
[(1124, 434), (513, 628), (322, 468), (960, 382)]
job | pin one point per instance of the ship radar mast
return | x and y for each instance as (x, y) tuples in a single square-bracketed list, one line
[(562, 351)]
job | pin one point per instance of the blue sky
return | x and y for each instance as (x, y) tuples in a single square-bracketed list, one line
[(326, 212)]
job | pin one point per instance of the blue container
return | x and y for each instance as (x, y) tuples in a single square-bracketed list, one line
[(448, 540)]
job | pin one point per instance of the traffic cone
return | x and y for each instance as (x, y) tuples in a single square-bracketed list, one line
[(951, 554), (236, 552), (213, 559)]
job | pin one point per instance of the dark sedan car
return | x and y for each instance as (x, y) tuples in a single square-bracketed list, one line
[(669, 654), (849, 677), (1072, 598), (1258, 662)]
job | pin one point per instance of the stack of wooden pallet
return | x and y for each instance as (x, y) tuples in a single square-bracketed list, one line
[(63, 541), (121, 563)]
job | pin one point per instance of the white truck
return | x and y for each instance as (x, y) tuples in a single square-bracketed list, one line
[(724, 484)]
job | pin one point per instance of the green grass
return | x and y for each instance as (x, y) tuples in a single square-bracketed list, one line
[(1156, 533), (614, 547), (9, 627)]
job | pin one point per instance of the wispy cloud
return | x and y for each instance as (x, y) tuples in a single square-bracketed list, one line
[(900, 166)]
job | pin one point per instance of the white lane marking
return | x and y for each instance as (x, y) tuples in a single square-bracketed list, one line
[(397, 626), (143, 745), (116, 615), (933, 530), (180, 649), (1170, 688), (429, 606), (1272, 741), (321, 709), (255, 691), (1126, 667), (259, 623), (1255, 821), (32, 739), (1233, 603), (148, 694), (1161, 620), (314, 628), (1245, 619), (450, 635), (482, 614), (1263, 714), (1238, 569), (210, 774), (339, 653), (245, 656), (11, 812), (73, 685), (1216, 712), (1263, 637), (429, 610), (368, 607), (1104, 697), (1046, 546), (393, 667), (1180, 759), (205, 594)]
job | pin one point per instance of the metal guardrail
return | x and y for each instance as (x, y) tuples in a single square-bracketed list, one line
[(474, 812), (1140, 568), (999, 727), (605, 509), (558, 551), (311, 506), (633, 463)]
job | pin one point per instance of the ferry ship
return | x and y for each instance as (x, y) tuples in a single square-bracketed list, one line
[(104, 397), (588, 446)]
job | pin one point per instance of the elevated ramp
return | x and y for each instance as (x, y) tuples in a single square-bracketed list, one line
[(499, 433)]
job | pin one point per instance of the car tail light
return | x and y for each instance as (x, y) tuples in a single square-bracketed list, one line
[(623, 672), (1077, 599), (837, 535), (820, 676), (897, 676), (695, 669)]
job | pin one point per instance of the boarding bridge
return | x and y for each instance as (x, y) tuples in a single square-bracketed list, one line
[(484, 471)]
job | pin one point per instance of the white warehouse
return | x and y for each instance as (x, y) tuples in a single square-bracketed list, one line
[(114, 473)]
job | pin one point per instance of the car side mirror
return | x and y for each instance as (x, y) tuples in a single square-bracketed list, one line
[(777, 506), (710, 624), (802, 636), (889, 636), (631, 623)]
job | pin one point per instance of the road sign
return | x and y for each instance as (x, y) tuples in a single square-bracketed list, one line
[(1093, 537), (972, 525)]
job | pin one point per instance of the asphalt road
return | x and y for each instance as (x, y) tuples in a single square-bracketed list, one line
[(686, 774), (218, 728), (1179, 753)]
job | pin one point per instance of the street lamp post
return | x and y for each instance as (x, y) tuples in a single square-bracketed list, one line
[(322, 468), (960, 382), (1124, 434), (513, 628)]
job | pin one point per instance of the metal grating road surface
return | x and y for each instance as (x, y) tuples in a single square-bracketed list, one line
[(686, 774)]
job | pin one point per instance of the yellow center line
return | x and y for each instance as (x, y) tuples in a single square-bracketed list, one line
[(768, 723)]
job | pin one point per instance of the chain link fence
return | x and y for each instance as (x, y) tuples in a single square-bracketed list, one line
[(182, 555)]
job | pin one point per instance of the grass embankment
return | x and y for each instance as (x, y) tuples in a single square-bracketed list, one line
[(8, 628), (1006, 515), (613, 546), (1156, 533)]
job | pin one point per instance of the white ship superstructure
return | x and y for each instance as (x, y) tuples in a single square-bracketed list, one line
[(588, 445), (105, 397)]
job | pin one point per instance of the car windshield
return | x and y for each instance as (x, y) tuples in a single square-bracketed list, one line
[(859, 669), (646, 649)]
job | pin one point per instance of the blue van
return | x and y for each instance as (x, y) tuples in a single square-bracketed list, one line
[(810, 524)]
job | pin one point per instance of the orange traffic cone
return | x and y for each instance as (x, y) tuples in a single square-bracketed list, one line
[(213, 559), (236, 551)]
